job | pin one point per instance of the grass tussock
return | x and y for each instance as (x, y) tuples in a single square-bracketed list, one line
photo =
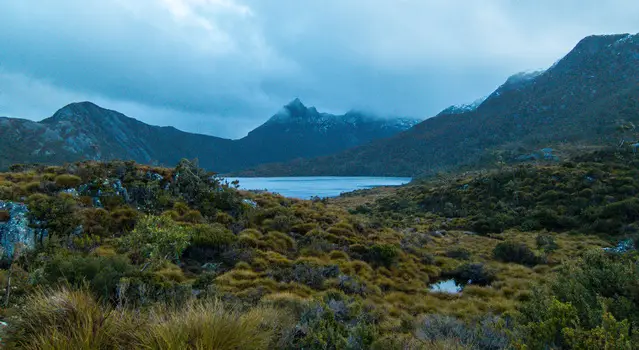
[(209, 325), (70, 319), (73, 319)]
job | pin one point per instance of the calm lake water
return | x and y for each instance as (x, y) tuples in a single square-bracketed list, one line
[(447, 286), (322, 186)]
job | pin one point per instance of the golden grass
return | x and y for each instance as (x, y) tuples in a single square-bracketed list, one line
[(69, 319), (72, 319), (210, 325)]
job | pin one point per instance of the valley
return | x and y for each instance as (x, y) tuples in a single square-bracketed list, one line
[(510, 223), (357, 268), (85, 131)]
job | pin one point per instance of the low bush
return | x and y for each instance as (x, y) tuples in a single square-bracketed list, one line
[(474, 273), (102, 274), (592, 304), (335, 322), (158, 238), (459, 254), (516, 253), (67, 181), (382, 254), (546, 242), (484, 334), (307, 273), (213, 236)]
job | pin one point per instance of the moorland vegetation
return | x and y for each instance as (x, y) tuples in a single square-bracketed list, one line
[(133, 256)]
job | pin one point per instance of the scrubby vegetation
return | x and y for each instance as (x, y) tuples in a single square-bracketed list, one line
[(130, 256), (593, 193)]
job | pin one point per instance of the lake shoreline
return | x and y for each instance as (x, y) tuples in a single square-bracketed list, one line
[(307, 187)]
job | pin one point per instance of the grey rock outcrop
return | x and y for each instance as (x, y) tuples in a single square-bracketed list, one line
[(15, 232)]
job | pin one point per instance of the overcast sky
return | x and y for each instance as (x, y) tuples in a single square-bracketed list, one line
[(222, 67)]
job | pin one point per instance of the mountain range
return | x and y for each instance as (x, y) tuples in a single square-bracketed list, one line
[(84, 130), (583, 99)]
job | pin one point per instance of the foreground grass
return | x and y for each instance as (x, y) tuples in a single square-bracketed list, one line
[(72, 319), (182, 260)]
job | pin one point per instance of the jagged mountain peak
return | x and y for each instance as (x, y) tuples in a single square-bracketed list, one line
[(296, 112), (296, 104), (579, 100), (84, 130)]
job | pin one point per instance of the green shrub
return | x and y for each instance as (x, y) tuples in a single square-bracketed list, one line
[(124, 219), (516, 253), (97, 222), (308, 274), (382, 254), (474, 273), (101, 273), (67, 181), (612, 334), (440, 329), (546, 243), (334, 323), (590, 305), (171, 272), (460, 254), (192, 216), (56, 214), (31, 187), (213, 236), (223, 218), (158, 238)]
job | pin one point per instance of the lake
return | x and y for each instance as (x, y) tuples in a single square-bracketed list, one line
[(321, 186)]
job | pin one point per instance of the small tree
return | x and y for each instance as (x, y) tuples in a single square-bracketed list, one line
[(157, 239), (55, 214)]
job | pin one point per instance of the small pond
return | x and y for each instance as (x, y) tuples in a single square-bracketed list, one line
[(446, 286)]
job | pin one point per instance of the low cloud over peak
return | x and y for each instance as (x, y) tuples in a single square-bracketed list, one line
[(224, 66)]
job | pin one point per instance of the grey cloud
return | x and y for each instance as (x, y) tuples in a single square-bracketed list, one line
[(223, 66)]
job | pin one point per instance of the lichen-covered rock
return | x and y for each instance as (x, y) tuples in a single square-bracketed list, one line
[(154, 176), (16, 231), (622, 247), (249, 202)]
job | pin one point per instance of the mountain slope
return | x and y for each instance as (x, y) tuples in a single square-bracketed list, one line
[(301, 132), (86, 131), (583, 98)]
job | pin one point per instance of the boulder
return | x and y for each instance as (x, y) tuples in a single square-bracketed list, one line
[(15, 231)]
